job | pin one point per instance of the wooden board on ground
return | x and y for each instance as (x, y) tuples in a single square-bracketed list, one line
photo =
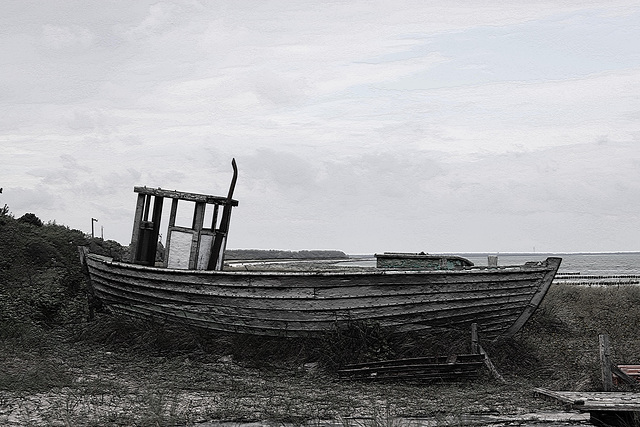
[(596, 401), (605, 408), (460, 367)]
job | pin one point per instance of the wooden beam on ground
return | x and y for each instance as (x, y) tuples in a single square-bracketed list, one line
[(492, 369)]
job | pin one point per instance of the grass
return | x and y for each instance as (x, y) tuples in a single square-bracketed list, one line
[(121, 372)]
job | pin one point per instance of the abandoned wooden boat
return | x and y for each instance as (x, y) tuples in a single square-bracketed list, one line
[(190, 285), (421, 261)]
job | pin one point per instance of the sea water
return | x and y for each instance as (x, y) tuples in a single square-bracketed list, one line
[(584, 263)]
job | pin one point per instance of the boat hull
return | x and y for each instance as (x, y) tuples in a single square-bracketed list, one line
[(297, 304)]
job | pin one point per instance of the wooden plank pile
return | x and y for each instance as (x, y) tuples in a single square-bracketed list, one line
[(444, 368), (454, 367)]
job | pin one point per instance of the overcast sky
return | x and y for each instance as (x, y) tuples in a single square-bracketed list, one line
[(363, 126)]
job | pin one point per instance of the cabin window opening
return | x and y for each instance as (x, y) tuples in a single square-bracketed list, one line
[(164, 221), (210, 217), (184, 214)]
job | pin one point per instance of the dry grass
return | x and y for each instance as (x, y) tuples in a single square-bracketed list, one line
[(119, 372)]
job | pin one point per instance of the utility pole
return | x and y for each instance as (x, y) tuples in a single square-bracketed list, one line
[(92, 221)]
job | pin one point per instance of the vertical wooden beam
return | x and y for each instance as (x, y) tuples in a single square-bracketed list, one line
[(475, 349), (216, 260), (172, 223), (174, 212), (214, 218), (147, 204), (605, 362), (198, 223), (137, 220), (492, 261), (156, 218)]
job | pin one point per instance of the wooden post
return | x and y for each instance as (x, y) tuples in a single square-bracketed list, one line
[(605, 362), (474, 339), (214, 218), (172, 223), (156, 218), (492, 261), (198, 222), (137, 220), (476, 348)]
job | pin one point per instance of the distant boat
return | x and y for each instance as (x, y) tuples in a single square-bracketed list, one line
[(192, 288)]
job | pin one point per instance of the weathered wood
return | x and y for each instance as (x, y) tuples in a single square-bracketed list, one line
[(475, 349), (216, 260), (198, 223), (174, 212), (214, 217), (135, 235), (605, 362), (180, 195), (492, 261), (489, 364), (596, 400), (617, 370), (605, 408), (172, 223), (422, 261), (455, 367), (146, 241), (302, 303), (155, 219), (533, 304)]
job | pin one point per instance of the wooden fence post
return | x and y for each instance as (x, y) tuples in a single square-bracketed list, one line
[(605, 362)]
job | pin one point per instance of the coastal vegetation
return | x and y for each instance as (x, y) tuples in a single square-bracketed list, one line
[(255, 254), (61, 368)]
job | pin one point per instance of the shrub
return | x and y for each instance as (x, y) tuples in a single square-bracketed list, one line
[(40, 272), (30, 218)]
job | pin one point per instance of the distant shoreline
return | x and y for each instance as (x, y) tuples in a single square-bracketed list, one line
[(479, 254)]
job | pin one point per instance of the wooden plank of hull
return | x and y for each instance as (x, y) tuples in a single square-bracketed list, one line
[(301, 303), (424, 311), (302, 325), (343, 286), (356, 306), (288, 329), (308, 300)]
